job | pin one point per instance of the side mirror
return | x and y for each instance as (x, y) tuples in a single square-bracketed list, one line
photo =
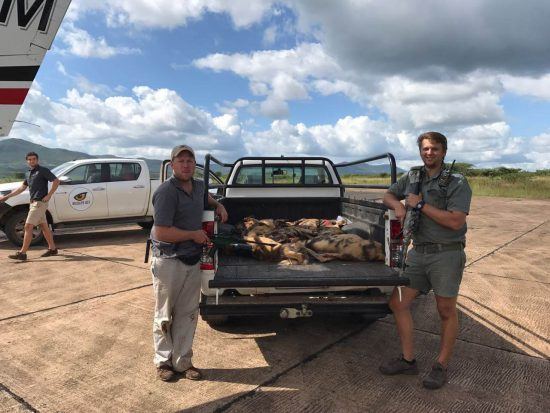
[(64, 180)]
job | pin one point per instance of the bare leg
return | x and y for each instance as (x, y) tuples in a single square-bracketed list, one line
[(27, 238), (403, 318), (449, 327), (48, 235)]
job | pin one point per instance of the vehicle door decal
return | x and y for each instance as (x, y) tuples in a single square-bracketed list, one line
[(81, 199)]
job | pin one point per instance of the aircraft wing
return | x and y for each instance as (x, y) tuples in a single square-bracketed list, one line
[(27, 30)]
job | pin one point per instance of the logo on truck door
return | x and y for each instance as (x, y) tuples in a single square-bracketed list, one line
[(81, 199)]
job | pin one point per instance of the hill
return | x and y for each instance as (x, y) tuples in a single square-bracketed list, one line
[(13, 151)]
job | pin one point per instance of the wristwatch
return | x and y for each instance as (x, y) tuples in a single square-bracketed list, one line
[(420, 205)]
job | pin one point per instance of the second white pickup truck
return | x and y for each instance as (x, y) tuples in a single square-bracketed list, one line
[(92, 192)]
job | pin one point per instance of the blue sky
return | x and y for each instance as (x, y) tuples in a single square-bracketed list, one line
[(342, 79)]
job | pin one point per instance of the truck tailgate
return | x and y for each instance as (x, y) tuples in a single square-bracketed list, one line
[(245, 272)]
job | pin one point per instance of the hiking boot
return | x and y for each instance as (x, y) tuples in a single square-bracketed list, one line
[(192, 373), (398, 366), (21, 256), (165, 373), (49, 253), (436, 378)]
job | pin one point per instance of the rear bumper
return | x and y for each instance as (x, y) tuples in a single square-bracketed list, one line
[(276, 305)]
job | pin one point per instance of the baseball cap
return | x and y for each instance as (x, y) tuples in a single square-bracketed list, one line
[(180, 148)]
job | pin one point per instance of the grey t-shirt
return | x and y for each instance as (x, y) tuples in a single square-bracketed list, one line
[(457, 198), (175, 207), (37, 180)]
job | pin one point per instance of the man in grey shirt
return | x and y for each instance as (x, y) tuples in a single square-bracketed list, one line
[(178, 239), (437, 259)]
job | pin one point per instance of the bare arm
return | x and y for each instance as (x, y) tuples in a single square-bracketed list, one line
[(449, 219), (391, 201), (220, 209), (13, 193), (173, 234), (55, 184)]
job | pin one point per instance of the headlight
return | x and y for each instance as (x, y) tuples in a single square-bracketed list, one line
[(2, 193)]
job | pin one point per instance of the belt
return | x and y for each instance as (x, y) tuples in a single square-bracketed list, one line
[(430, 248)]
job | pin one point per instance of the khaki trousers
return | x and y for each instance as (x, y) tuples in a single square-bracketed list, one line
[(177, 295)]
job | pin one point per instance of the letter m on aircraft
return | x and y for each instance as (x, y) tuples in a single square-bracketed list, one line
[(25, 16), (27, 30)]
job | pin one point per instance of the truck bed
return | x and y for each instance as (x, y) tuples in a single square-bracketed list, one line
[(239, 271)]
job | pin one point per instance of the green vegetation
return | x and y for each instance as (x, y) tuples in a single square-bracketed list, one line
[(501, 182), (12, 178)]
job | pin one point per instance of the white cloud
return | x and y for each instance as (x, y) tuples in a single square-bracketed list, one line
[(171, 14), (147, 123), (417, 105), (281, 75), (538, 87), (80, 43)]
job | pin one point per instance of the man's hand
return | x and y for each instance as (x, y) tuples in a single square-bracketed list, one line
[(222, 213), (46, 198), (200, 237), (412, 200), (401, 213), (3, 198)]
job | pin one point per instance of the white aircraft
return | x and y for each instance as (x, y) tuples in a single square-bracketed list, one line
[(27, 30)]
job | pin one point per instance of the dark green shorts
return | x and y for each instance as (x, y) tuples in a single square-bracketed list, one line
[(440, 271)]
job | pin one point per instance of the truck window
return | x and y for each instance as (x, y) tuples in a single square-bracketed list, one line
[(283, 175), (85, 174), (249, 175), (124, 171), (316, 175)]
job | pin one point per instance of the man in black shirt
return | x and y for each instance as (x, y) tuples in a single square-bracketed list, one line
[(36, 180)]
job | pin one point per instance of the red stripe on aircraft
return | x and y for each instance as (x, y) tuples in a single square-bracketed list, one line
[(13, 96)]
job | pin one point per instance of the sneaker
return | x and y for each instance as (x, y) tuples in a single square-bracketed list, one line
[(436, 378), (192, 373), (165, 373), (21, 256), (49, 253), (398, 366)]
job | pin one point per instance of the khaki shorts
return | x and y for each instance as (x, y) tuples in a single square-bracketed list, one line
[(440, 272), (37, 213)]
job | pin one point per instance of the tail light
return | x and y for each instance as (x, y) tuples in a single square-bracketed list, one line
[(396, 243), (208, 227), (207, 258)]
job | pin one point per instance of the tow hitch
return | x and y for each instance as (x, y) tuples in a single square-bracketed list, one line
[(290, 312)]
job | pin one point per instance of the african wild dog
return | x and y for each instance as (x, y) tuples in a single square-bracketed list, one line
[(295, 242)]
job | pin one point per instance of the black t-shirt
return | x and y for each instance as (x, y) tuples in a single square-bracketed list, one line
[(37, 180)]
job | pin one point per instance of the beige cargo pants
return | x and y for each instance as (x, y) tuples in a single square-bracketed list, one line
[(177, 294)]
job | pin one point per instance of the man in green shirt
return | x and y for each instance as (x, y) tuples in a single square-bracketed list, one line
[(437, 259)]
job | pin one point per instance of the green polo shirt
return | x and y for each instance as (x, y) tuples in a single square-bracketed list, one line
[(457, 197)]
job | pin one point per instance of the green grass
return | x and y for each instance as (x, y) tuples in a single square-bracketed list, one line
[(6, 179), (523, 185), (536, 187)]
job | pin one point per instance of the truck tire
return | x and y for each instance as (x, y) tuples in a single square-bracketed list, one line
[(15, 229), (215, 320), (146, 225)]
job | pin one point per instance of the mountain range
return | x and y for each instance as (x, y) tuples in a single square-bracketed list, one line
[(13, 151)]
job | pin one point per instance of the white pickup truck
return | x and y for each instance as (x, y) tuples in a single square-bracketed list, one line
[(91, 192), (292, 188)]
